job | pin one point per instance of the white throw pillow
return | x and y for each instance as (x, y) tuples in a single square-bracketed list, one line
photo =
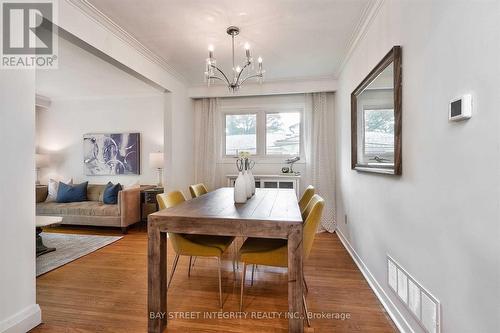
[(53, 187)]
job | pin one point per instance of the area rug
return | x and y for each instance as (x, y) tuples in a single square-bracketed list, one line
[(69, 247)]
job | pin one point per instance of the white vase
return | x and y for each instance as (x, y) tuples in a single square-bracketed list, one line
[(252, 181), (240, 189), (248, 184)]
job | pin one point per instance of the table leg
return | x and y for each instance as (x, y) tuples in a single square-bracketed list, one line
[(157, 279), (40, 247), (295, 306)]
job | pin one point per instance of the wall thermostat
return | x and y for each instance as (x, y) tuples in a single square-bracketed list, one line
[(461, 108)]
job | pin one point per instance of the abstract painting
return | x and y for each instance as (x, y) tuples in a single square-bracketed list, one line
[(112, 154)]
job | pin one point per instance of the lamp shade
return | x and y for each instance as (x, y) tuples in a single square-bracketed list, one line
[(156, 160), (41, 160)]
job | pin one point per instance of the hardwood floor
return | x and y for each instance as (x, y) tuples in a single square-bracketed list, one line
[(106, 291)]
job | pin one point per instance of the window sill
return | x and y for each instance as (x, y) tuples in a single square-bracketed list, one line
[(263, 160)]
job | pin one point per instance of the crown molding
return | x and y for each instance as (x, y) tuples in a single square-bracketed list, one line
[(369, 13), (99, 17)]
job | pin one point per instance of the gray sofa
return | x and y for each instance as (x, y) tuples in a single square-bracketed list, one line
[(93, 211)]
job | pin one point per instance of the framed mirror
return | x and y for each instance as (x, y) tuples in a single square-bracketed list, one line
[(376, 118)]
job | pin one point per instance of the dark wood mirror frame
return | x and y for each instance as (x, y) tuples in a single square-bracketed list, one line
[(394, 56)]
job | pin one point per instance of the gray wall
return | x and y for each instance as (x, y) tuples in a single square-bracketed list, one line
[(440, 220)]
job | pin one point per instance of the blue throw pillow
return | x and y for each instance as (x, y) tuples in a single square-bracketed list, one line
[(110, 196), (72, 193)]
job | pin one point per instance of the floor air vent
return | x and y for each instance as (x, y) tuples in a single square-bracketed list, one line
[(424, 307)]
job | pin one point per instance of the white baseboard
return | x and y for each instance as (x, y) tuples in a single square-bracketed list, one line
[(389, 306), (23, 321)]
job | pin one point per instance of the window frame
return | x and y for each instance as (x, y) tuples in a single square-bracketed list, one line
[(224, 115), (301, 135), (261, 131), (365, 156)]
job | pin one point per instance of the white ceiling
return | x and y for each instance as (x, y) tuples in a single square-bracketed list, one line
[(296, 38), (83, 75)]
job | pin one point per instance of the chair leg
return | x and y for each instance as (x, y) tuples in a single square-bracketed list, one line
[(174, 266), (234, 260), (306, 311), (305, 283), (253, 270), (220, 283), (189, 269), (243, 273), (235, 243)]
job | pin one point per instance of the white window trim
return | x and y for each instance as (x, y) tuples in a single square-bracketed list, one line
[(261, 112), (366, 156)]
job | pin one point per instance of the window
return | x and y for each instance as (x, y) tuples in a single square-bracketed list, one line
[(263, 133), (283, 133), (241, 133), (378, 136)]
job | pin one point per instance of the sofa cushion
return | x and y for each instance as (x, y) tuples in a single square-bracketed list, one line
[(95, 192), (53, 187), (110, 195), (72, 193), (84, 208)]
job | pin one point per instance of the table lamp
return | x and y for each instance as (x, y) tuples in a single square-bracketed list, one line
[(156, 162), (41, 161)]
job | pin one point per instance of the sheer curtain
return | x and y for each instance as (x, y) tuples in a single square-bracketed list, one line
[(206, 141), (320, 151)]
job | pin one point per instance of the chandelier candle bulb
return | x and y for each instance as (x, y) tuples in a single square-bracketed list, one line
[(239, 74), (247, 51)]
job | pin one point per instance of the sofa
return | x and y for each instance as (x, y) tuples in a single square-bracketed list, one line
[(94, 212)]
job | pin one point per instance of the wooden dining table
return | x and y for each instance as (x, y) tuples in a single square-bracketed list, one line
[(270, 213)]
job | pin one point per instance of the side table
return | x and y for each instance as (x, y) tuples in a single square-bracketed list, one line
[(148, 201)]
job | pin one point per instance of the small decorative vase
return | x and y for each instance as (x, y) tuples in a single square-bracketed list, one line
[(252, 181), (248, 185), (240, 189)]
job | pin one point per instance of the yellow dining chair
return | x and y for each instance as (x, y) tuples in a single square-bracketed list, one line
[(197, 190), (193, 245), (274, 252), (304, 200)]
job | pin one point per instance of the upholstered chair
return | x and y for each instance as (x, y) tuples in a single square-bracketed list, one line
[(274, 252), (306, 196), (193, 245), (197, 190)]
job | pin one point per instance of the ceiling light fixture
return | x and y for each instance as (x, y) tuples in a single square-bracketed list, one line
[(238, 76)]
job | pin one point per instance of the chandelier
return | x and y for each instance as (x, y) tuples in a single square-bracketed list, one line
[(240, 74)]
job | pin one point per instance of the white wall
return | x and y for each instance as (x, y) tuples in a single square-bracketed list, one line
[(178, 147), (18, 309), (440, 219), (277, 87), (179, 142), (61, 127), (17, 99)]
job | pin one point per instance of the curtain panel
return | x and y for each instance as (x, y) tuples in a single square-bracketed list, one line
[(320, 151), (206, 117)]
